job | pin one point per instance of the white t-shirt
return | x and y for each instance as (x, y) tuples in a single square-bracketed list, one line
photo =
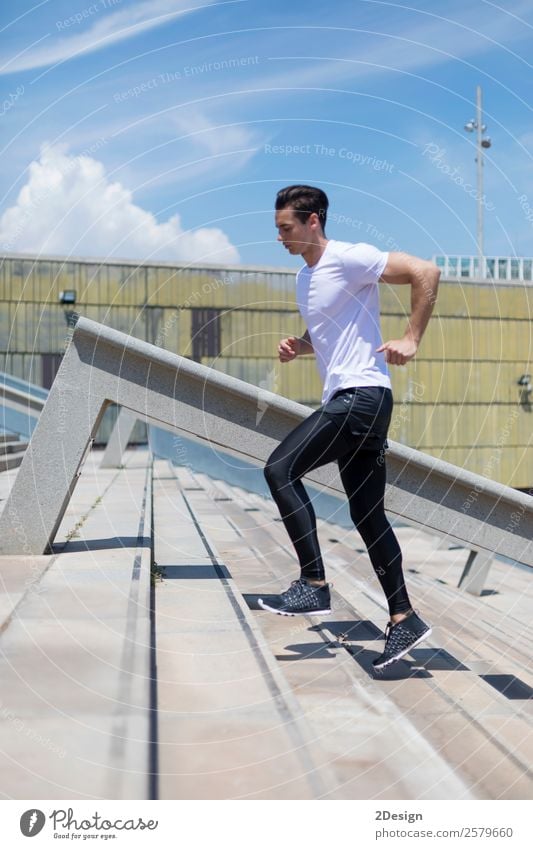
[(338, 299)]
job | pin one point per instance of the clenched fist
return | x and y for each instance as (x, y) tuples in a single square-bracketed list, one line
[(289, 348), (399, 351)]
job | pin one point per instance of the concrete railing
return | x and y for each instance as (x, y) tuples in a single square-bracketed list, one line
[(103, 366), (21, 401)]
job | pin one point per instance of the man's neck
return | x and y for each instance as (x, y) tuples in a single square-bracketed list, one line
[(313, 253)]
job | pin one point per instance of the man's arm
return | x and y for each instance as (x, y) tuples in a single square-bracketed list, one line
[(306, 346), (423, 276)]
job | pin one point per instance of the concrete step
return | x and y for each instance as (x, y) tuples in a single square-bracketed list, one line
[(482, 738), (229, 724), (485, 615), (8, 437), (10, 461), (12, 447), (439, 688), (75, 648), (473, 617)]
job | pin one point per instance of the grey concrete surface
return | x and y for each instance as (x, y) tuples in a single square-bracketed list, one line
[(118, 439), (76, 650), (476, 572), (229, 726)]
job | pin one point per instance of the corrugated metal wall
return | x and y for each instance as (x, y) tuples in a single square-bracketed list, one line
[(458, 400)]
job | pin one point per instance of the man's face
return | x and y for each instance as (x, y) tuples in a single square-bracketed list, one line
[(294, 235)]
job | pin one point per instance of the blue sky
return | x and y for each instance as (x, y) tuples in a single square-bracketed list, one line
[(162, 129)]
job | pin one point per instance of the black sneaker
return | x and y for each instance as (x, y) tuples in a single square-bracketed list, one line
[(300, 598), (401, 638)]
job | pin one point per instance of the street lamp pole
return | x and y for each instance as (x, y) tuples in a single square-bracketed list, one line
[(479, 128), (482, 143)]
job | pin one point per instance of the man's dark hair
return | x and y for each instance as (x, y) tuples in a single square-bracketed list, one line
[(304, 200)]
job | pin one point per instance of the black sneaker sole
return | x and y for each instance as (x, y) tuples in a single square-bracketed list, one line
[(265, 606), (404, 652)]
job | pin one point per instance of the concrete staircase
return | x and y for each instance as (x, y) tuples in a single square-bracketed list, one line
[(112, 688), (455, 720)]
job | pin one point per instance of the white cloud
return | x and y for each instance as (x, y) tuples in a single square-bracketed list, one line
[(215, 138), (106, 30), (197, 147), (69, 206)]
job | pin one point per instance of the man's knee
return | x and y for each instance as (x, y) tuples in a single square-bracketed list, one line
[(272, 473), (276, 471)]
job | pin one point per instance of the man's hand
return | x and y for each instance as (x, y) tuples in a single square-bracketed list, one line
[(295, 346), (289, 349), (399, 351)]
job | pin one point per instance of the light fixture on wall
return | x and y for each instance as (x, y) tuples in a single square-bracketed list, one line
[(67, 298)]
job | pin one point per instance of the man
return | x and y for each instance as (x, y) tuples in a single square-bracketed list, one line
[(337, 295)]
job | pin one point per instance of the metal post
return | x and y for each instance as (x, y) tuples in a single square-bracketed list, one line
[(476, 124), (479, 122)]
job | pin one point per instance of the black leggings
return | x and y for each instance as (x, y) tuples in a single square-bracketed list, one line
[(350, 429)]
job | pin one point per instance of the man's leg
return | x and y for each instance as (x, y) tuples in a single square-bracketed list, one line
[(363, 475), (313, 443)]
